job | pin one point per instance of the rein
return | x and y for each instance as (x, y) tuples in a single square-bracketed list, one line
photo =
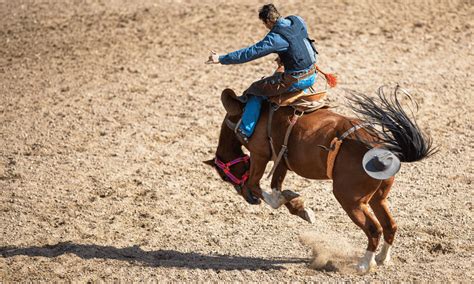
[(226, 168)]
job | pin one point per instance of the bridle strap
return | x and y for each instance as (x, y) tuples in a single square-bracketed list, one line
[(226, 168)]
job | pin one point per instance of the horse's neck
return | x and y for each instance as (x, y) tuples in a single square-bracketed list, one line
[(229, 146)]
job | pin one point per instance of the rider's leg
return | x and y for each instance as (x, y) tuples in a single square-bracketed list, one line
[(256, 93), (303, 84), (270, 86), (251, 114)]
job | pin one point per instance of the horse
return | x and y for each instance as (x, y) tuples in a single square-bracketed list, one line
[(380, 123)]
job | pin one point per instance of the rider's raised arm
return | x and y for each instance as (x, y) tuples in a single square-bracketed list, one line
[(270, 44)]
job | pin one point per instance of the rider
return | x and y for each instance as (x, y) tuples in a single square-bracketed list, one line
[(288, 37)]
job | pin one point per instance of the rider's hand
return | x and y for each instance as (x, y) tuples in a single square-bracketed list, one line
[(213, 58), (280, 68), (278, 61)]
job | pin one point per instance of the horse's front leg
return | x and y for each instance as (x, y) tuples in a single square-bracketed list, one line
[(276, 198), (293, 201), (252, 191)]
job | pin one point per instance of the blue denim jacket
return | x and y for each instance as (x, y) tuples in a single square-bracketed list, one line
[(271, 43)]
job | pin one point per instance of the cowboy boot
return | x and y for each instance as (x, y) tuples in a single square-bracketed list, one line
[(238, 132)]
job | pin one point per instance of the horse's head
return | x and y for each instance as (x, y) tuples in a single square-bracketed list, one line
[(231, 163), (231, 171)]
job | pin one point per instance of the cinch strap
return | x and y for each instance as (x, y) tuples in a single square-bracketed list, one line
[(284, 147)]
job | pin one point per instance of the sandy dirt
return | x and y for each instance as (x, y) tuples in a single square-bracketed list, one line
[(107, 112)]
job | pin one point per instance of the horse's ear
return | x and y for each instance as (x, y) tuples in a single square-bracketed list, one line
[(230, 102), (209, 162)]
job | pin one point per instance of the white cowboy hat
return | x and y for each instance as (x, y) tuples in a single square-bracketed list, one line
[(380, 163)]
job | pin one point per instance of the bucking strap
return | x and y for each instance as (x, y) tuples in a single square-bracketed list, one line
[(336, 145), (332, 155)]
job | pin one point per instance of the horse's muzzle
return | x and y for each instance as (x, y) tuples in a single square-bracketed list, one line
[(249, 197)]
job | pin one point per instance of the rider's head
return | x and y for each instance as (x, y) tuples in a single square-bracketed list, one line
[(269, 15)]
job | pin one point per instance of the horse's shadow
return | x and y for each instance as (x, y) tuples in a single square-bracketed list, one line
[(158, 258)]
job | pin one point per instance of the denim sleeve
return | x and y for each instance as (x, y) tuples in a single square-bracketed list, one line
[(271, 43)]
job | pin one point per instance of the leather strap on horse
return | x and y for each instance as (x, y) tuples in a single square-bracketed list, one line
[(299, 110), (284, 147), (333, 151), (336, 145), (273, 108)]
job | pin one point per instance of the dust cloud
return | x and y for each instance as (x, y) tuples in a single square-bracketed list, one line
[(330, 252)]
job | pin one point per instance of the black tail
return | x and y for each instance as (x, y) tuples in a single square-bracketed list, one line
[(392, 125)]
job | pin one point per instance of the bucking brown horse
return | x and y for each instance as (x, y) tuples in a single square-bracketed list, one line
[(382, 123)]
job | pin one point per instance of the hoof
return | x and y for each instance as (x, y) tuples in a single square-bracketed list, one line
[(383, 258), (275, 199), (289, 195), (363, 268), (366, 263), (381, 261), (308, 215)]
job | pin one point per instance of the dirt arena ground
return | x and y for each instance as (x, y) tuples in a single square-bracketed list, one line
[(107, 112)]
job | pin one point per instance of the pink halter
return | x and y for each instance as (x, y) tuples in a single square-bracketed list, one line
[(226, 168)]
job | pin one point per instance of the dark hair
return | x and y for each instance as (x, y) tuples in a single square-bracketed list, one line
[(268, 13)]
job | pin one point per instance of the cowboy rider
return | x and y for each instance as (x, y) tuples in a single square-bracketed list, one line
[(288, 37)]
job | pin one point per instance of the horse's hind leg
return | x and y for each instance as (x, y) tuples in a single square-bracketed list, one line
[(356, 206), (379, 205)]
